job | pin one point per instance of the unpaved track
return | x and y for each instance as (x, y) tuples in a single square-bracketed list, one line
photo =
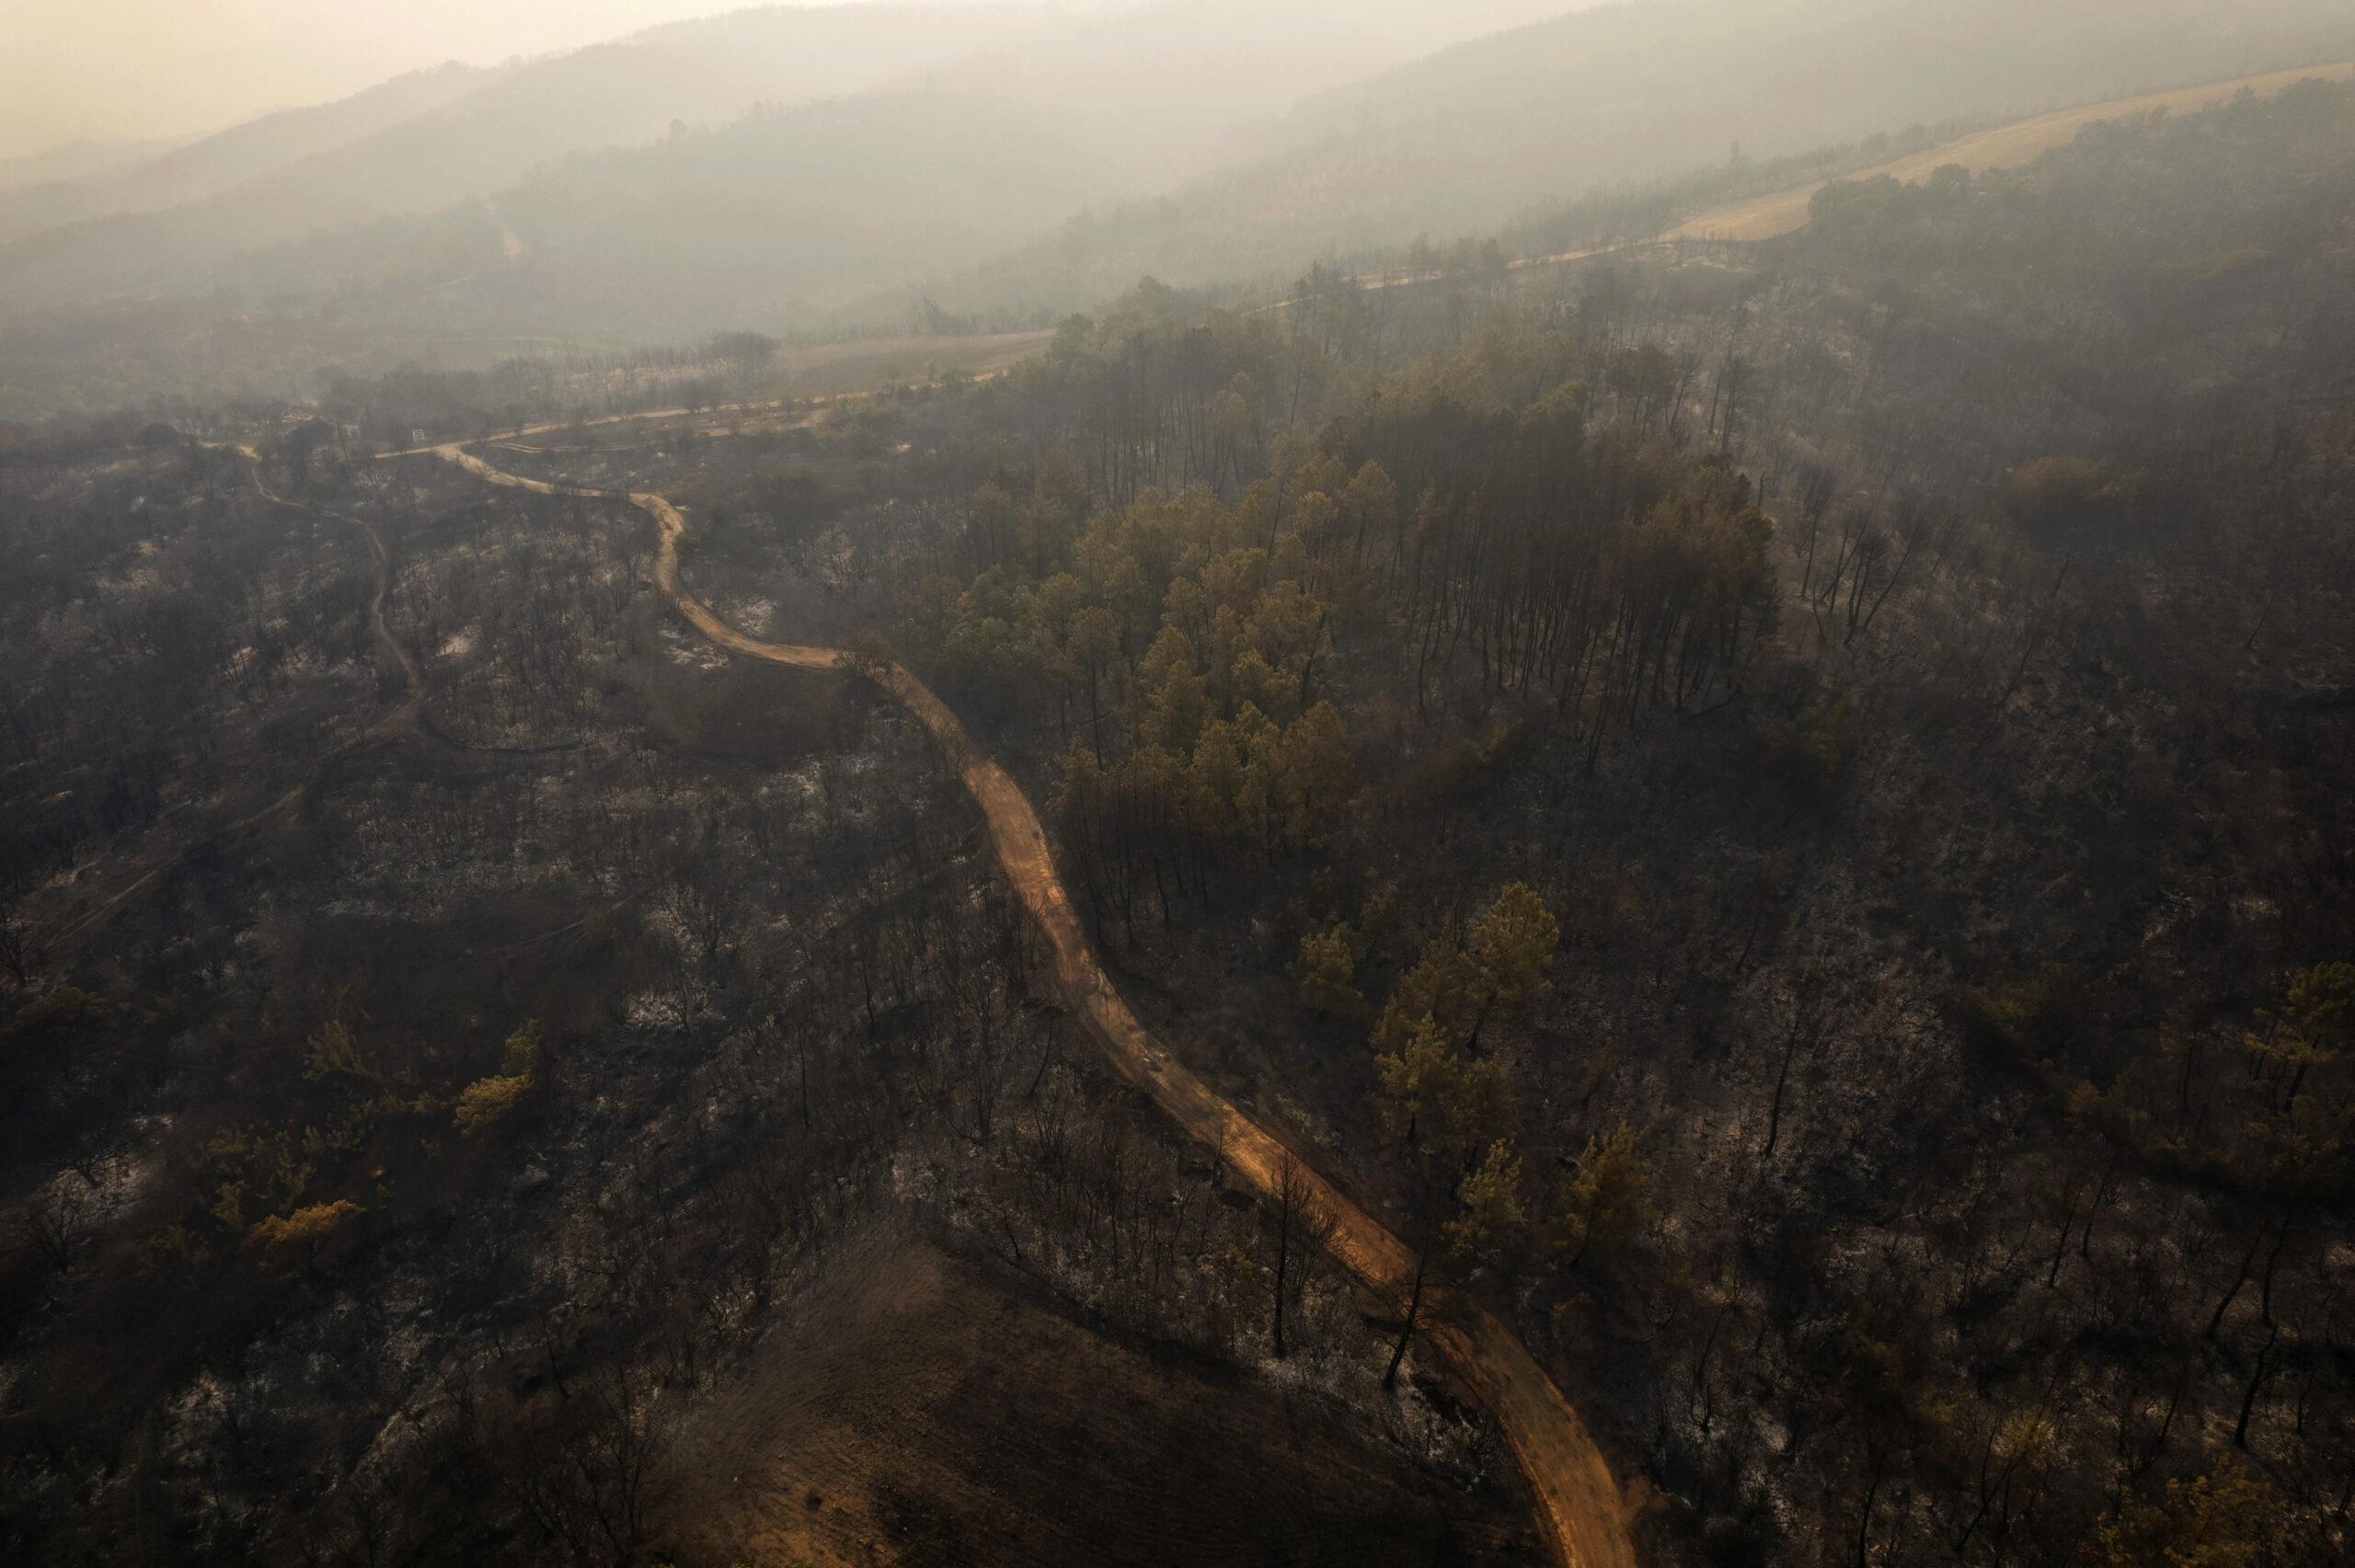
[(398, 655), (1579, 1508)]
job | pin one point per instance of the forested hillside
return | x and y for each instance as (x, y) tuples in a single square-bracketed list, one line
[(1907, 665), (1785, 815)]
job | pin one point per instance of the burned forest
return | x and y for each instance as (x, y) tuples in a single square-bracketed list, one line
[(1670, 885)]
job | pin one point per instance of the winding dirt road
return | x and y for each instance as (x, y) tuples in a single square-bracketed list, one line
[(395, 655), (1578, 1508)]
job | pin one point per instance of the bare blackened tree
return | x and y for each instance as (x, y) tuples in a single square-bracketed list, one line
[(1303, 1226)]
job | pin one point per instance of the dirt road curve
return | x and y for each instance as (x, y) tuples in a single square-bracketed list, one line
[(1579, 1508)]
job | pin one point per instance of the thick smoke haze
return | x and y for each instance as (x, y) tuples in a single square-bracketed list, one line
[(134, 70)]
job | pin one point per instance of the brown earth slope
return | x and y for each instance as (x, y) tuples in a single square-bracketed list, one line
[(922, 1407)]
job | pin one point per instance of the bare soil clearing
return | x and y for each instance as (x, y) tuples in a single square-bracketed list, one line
[(822, 375), (862, 362), (2005, 147), (1580, 1511), (924, 1407)]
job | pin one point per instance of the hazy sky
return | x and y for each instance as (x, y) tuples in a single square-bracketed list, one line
[(119, 69)]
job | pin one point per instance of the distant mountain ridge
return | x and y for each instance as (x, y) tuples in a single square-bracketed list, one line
[(432, 138), (64, 162), (1143, 88), (1462, 139), (911, 152), (231, 158)]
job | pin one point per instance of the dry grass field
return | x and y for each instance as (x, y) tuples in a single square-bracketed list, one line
[(2005, 147), (860, 364)]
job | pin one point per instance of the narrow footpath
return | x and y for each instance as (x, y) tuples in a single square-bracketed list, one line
[(1579, 1509)]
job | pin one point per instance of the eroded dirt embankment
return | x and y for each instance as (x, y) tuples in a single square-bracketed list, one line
[(1579, 1508)]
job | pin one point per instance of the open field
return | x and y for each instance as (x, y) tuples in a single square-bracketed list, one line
[(2005, 147), (862, 363)]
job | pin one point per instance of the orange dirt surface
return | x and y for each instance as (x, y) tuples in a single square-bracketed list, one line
[(2006, 146), (1580, 1511)]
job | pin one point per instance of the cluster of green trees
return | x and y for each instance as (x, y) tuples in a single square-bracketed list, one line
[(1455, 1114), (1155, 823), (1481, 514), (1153, 395), (1181, 660)]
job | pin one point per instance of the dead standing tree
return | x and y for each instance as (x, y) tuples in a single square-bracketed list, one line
[(1304, 1231)]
